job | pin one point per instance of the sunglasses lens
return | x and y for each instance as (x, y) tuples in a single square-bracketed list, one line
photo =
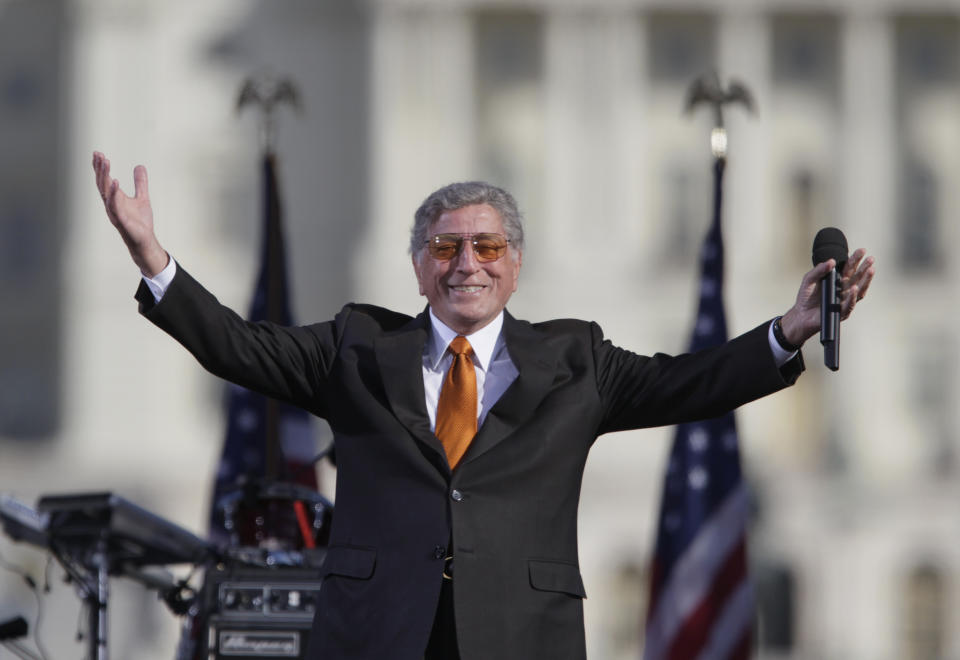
[(489, 247), (444, 247)]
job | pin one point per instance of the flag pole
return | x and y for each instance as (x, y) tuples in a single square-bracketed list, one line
[(701, 600), (267, 94)]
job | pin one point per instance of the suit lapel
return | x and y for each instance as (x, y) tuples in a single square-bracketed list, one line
[(400, 359), (536, 365)]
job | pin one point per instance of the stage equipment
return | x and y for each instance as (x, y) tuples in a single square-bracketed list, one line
[(259, 597), (256, 601), (11, 631), (13, 628), (96, 535), (22, 522), (260, 612), (263, 514), (132, 535)]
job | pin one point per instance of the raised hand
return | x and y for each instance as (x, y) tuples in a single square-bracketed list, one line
[(802, 321), (132, 216)]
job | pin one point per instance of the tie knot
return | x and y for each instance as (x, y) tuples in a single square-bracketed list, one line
[(460, 346)]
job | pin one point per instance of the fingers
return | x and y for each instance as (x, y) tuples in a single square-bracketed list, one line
[(140, 183), (864, 277), (109, 187), (818, 272), (865, 283), (858, 274), (853, 262), (112, 198), (101, 168)]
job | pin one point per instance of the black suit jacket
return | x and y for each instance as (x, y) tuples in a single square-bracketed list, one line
[(509, 510)]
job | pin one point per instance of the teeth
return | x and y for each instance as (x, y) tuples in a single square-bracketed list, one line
[(467, 289)]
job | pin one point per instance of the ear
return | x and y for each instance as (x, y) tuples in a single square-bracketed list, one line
[(416, 271), (517, 262)]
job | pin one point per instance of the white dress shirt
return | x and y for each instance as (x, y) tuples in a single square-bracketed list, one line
[(491, 362)]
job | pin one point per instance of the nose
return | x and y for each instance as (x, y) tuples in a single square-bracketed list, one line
[(466, 261)]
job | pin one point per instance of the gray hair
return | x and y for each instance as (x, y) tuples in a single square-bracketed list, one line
[(458, 195)]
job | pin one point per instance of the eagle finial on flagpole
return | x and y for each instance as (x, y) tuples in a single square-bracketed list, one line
[(707, 89), (267, 93)]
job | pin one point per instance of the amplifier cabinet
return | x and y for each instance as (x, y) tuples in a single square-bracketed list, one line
[(246, 638), (259, 613)]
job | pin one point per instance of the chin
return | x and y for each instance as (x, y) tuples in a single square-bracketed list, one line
[(471, 321)]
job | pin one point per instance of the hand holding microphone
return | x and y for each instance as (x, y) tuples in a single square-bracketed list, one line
[(828, 293)]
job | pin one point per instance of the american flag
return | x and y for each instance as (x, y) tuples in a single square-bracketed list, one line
[(701, 598), (254, 421)]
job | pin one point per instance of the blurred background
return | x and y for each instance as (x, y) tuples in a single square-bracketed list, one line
[(577, 107)]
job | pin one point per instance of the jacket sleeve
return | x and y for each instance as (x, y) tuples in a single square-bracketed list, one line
[(638, 391), (291, 364)]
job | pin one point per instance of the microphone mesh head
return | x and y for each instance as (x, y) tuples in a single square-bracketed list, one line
[(830, 243)]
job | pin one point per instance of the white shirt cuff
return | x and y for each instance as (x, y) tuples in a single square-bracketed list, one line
[(780, 355), (158, 283)]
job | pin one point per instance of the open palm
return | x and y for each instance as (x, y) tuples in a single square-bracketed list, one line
[(132, 216)]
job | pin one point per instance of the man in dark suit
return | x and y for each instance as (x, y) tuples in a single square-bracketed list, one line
[(462, 433)]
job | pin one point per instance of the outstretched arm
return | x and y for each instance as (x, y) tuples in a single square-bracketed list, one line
[(802, 321), (132, 216)]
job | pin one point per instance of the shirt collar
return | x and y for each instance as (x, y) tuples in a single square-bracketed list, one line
[(483, 341)]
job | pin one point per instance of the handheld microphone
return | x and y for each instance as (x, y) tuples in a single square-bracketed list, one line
[(13, 628), (830, 243)]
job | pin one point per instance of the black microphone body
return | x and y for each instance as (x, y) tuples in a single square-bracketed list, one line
[(830, 243), (830, 320), (13, 628)]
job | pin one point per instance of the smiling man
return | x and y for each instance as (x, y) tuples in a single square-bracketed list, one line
[(461, 433), (467, 289)]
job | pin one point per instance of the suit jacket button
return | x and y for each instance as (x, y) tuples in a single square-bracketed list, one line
[(439, 552), (456, 495)]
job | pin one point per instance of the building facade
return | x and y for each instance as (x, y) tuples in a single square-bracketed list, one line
[(578, 108)]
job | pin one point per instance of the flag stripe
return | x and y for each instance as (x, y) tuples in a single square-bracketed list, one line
[(744, 645), (732, 635), (692, 575), (695, 632)]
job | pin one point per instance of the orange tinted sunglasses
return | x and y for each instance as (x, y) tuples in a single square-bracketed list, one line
[(487, 247)]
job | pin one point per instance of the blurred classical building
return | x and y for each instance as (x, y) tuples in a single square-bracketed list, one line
[(577, 107)]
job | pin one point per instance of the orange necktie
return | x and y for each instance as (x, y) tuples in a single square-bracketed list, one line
[(457, 407)]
